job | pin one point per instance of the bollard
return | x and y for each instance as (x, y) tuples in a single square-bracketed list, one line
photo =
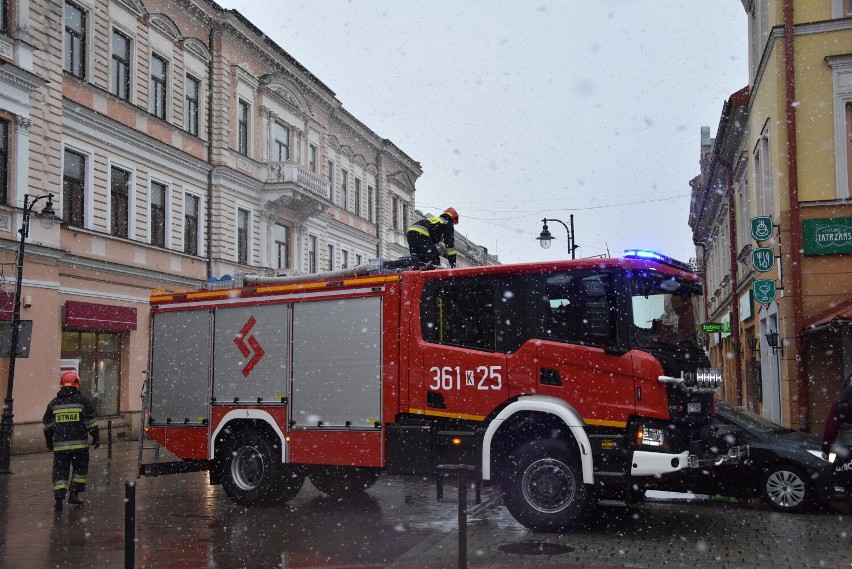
[(130, 524), (462, 470), (109, 439)]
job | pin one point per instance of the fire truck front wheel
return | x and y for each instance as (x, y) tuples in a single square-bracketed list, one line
[(253, 475), (543, 486)]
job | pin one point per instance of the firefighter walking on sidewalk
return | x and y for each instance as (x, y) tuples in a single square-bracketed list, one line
[(425, 234), (68, 422)]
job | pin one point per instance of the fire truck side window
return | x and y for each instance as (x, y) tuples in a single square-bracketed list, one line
[(462, 313), (578, 308)]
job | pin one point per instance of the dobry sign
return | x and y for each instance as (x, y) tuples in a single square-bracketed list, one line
[(828, 236), (713, 327), (761, 228)]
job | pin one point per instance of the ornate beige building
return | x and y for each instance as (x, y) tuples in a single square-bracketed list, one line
[(179, 143)]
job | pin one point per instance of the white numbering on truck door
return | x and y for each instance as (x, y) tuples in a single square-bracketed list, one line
[(448, 378)]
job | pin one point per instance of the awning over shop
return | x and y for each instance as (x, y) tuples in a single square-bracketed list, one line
[(841, 313), (91, 316)]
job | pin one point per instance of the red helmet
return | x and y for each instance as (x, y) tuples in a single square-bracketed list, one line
[(454, 215), (69, 379)]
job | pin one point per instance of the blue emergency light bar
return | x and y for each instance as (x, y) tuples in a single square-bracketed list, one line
[(654, 256)]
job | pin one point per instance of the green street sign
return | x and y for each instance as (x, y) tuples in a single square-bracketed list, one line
[(764, 290), (763, 259), (713, 327), (761, 228), (827, 236)]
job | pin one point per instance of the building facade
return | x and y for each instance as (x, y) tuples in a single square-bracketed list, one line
[(179, 144), (772, 215)]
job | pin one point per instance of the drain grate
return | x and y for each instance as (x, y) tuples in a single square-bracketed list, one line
[(535, 548)]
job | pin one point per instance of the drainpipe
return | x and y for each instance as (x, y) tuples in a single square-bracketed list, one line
[(209, 217), (795, 219), (735, 305)]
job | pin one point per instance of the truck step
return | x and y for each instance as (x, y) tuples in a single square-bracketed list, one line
[(619, 503)]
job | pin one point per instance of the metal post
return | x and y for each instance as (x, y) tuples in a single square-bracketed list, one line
[(462, 520), (7, 422), (109, 439), (129, 524)]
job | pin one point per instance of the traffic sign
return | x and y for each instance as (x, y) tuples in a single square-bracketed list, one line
[(761, 228), (764, 290), (763, 259)]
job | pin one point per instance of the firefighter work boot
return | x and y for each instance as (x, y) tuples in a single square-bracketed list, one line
[(75, 499), (57, 505)]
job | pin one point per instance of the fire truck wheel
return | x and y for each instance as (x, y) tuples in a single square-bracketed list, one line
[(543, 486), (252, 474), (342, 481)]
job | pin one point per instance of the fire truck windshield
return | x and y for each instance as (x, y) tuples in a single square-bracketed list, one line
[(663, 312)]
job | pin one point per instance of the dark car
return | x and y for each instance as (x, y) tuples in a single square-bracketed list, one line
[(783, 467)]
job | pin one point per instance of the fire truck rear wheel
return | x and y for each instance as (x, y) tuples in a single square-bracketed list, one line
[(252, 472), (342, 481), (543, 486)]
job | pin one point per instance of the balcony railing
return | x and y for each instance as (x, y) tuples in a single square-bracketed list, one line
[(292, 173)]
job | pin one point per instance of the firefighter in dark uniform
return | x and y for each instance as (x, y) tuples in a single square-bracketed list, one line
[(68, 422), (425, 234)]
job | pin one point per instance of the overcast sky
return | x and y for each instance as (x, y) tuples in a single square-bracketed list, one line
[(520, 110)]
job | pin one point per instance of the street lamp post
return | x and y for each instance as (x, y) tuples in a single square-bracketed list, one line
[(545, 237), (6, 422)]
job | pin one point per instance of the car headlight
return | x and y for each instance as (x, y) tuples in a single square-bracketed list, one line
[(819, 454), (648, 436)]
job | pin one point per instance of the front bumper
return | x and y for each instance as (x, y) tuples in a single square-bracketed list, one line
[(645, 463)]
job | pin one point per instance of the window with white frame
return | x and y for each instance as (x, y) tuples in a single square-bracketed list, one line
[(159, 85), (243, 113), (4, 162), (312, 253), (344, 259), (75, 40), (763, 174), (243, 220), (395, 213), (358, 260), (330, 257), (404, 216), (370, 207), (841, 70), (191, 217), (282, 143), (74, 188), (313, 154), (344, 189), (119, 80), (119, 201), (192, 110), (357, 196), (281, 239), (159, 192)]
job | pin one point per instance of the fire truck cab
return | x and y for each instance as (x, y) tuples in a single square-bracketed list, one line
[(568, 383)]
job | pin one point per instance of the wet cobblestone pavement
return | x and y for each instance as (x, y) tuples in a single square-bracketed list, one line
[(182, 522)]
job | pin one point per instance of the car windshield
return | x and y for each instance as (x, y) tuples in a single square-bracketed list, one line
[(751, 421), (663, 311)]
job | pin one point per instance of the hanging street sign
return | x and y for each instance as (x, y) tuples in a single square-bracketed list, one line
[(713, 327), (764, 291), (761, 228), (763, 259)]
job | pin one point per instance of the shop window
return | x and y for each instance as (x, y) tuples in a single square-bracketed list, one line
[(99, 356)]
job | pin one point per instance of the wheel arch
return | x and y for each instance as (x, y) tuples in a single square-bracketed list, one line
[(500, 434), (246, 419)]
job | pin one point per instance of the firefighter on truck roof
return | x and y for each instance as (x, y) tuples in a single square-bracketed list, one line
[(425, 234), (68, 422)]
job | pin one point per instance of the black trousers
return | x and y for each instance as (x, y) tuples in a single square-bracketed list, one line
[(75, 462), (423, 249)]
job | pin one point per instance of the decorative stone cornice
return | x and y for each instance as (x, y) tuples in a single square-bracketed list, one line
[(164, 24)]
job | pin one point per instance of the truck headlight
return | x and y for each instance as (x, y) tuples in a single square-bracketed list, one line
[(648, 436)]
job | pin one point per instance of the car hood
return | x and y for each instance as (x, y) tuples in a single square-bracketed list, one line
[(795, 439)]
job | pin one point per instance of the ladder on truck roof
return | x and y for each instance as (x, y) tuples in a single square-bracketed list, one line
[(160, 466)]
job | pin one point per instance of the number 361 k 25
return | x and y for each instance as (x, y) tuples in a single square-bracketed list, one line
[(482, 378)]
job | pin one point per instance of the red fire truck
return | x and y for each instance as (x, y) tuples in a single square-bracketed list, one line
[(568, 383)]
